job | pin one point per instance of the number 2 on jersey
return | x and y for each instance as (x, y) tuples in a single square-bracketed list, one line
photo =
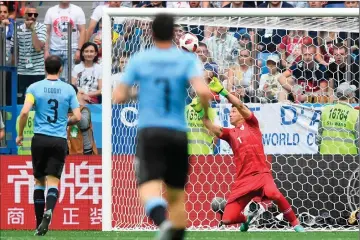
[(54, 106), (167, 91)]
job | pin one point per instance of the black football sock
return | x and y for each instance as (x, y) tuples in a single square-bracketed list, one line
[(51, 198), (155, 208), (39, 203), (178, 234)]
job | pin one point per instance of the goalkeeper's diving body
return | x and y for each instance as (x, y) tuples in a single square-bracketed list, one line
[(253, 176), (163, 73)]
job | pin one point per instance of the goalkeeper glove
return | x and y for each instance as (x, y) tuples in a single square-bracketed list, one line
[(196, 105), (216, 86), (354, 217)]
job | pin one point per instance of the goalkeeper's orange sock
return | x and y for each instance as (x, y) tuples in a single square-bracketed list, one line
[(286, 209), (39, 203)]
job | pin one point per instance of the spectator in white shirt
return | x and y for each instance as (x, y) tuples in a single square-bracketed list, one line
[(177, 4), (97, 15), (56, 20), (87, 75)]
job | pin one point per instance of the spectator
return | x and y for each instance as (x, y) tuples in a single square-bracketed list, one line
[(290, 47), (2, 127), (275, 4), (351, 4), (120, 60), (197, 30), (97, 39), (299, 4), (178, 32), (269, 83), (31, 41), (203, 54), (151, 4), (182, 4), (245, 41), (237, 4), (7, 24), (269, 39), (146, 40), (81, 135), (87, 75), (56, 20), (335, 4), (221, 47), (14, 9), (243, 75), (308, 74), (339, 70), (214, 4), (317, 4), (97, 15), (194, 4)]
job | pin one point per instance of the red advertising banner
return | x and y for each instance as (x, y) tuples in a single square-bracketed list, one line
[(79, 204)]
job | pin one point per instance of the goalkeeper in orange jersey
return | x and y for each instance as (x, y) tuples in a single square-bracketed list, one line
[(253, 175)]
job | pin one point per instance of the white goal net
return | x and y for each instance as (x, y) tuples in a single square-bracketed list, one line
[(248, 52)]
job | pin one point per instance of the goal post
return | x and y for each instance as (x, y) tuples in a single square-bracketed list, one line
[(117, 165)]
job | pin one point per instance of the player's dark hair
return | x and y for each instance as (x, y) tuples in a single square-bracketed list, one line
[(75, 88), (53, 64), (163, 27), (86, 45)]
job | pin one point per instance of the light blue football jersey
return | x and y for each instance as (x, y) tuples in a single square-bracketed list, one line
[(163, 76), (53, 99)]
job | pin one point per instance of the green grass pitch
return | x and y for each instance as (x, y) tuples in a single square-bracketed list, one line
[(221, 235)]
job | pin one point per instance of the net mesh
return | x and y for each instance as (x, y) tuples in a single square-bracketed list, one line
[(249, 55)]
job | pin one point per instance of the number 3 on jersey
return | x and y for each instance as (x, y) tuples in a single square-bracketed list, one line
[(167, 92), (54, 106)]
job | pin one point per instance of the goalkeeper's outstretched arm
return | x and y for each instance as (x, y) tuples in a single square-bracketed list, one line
[(216, 86), (203, 92)]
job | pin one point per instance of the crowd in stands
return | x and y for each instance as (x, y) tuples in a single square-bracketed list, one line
[(259, 65)]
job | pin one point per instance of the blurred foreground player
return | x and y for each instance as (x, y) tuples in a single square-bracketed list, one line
[(51, 98), (163, 73), (253, 178)]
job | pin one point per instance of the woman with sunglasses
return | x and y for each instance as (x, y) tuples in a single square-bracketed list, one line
[(87, 75)]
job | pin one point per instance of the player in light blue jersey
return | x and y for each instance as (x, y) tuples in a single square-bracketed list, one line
[(163, 73), (51, 99)]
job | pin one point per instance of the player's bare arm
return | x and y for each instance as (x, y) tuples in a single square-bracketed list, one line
[(216, 86), (29, 102), (123, 93), (203, 92), (75, 118), (213, 128)]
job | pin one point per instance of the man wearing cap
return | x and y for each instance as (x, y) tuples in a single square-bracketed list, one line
[(269, 82), (339, 125)]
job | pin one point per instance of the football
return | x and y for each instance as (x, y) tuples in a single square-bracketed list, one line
[(218, 204), (189, 42)]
